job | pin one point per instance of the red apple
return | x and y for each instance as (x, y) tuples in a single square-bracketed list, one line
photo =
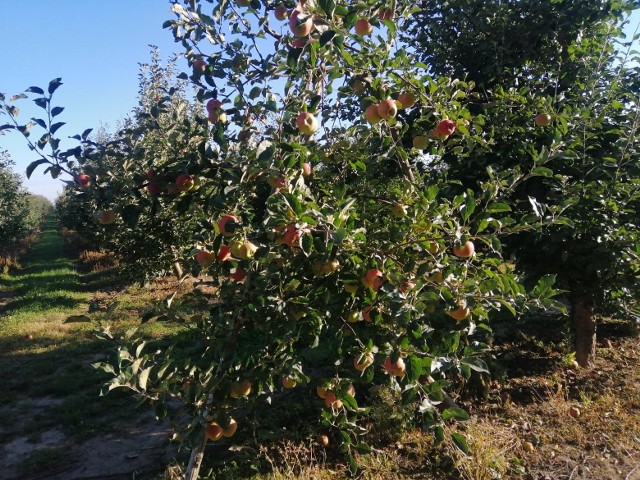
[(154, 188), (185, 182), (205, 258), (307, 123), (307, 170), (407, 99), (396, 369), (107, 217), (465, 250), (288, 382), (240, 389), (277, 182), (371, 114), (213, 105), (444, 129), (224, 253), (222, 225), (386, 14), (213, 431), (291, 236), (281, 12), (373, 279), (332, 401), (387, 109), (299, 42), (84, 180), (323, 440), (151, 173), (363, 27), (238, 275), (199, 66), (461, 312), (231, 428), (542, 120), (300, 23), (363, 361)]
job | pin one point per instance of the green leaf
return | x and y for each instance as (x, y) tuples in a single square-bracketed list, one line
[(56, 111), (498, 207), (37, 90), (460, 442), (33, 165), (456, 413), (144, 377), (542, 172), (77, 319), (476, 364), (53, 85)]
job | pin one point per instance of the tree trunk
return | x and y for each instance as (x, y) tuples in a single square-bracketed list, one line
[(583, 321), (177, 269)]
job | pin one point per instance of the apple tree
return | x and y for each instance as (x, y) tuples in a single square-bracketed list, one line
[(314, 175), (535, 66)]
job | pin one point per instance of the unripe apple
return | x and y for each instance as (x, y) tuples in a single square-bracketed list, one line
[(350, 287), (420, 142), (222, 225), (407, 99), (351, 390), (231, 429), (371, 114), (323, 440), (238, 275), (332, 401), (84, 180), (373, 279), (387, 109), (107, 217), (307, 123), (330, 266), (288, 382), (353, 317), (399, 210), (542, 120), (205, 258), (444, 129), (300, 23), (240, 389), (281, 12), (358, 86), (243, 250), (363, 361), (465, 250), (307, 170), (185, 182), (363, 27), (213, 431), (217, 116), (396, 369)]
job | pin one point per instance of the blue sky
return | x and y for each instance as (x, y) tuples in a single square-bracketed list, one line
[(95, 47)]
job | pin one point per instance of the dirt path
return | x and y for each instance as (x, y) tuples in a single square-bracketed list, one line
[(53, 423)]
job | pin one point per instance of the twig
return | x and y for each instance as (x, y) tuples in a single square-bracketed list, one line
[(628, 477)]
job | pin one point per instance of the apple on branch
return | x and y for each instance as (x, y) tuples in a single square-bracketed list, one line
[(307, 123), (373, 279)]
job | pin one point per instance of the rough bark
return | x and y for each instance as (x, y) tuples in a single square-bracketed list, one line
[(583, 321)]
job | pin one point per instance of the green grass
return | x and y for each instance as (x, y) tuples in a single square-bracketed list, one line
[(51, 383)]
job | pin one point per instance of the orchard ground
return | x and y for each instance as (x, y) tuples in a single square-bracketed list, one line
[(54, 424)]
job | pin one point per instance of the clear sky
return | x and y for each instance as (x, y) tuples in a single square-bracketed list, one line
[(96, 47)]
